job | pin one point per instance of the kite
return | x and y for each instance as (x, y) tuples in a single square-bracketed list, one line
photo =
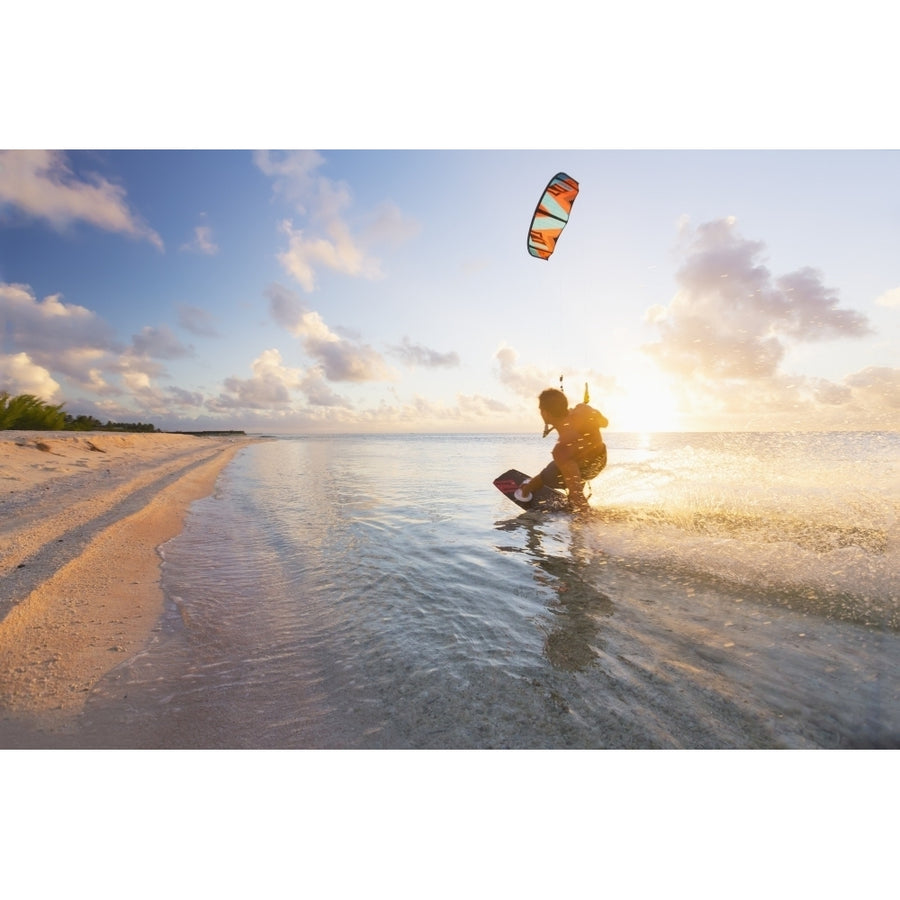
[(551, 215)]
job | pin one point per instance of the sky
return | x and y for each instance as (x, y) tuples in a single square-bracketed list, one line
[(731, 262), (387, 290)]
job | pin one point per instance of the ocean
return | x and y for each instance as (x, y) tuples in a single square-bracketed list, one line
[(376, 591)]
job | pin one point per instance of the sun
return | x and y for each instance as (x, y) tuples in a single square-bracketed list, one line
[(647, 404)]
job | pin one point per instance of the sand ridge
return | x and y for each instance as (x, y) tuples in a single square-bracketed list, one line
[(82, 516)]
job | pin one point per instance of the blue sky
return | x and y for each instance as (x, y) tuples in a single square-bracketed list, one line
[(377, 288), (316, 290)]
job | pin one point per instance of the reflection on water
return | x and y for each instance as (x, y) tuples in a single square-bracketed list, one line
[(577, 606)]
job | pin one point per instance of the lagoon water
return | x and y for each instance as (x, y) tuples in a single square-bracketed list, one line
[(727, 591)]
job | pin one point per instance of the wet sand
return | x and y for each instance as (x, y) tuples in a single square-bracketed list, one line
[(82, 516)]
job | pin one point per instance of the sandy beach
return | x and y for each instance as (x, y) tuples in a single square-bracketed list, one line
[(82, 515)]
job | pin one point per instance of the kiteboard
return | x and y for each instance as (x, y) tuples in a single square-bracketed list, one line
[(545, 499)]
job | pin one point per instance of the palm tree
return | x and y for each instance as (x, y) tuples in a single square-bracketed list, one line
[(29, 413)]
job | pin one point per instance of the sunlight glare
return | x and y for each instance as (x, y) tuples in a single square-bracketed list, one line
[(648, 406)]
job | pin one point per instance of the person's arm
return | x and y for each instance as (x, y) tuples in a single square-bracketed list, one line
[(528, 488)]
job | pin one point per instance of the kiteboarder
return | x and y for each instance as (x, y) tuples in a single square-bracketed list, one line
[(579, 454)]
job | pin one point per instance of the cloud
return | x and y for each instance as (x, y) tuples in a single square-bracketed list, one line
[(340, 359), (327, 239), (160, 343), (202, 242), (197, 321), (525, 381), (178, 398), (292, 173), (19, 374), (272, 387), (807, 311), (877, 388), (890, 298), (318, 393), (63, 338), (88, 368), (47, 325), (867, 400), (417, 355), (285, 307), (528, 381), (730, 319), (727, 332), (74, 342), (41, 184), (269, 387), (421, 412), (418, 414), (69, 348), (476, 406), (338, 252)]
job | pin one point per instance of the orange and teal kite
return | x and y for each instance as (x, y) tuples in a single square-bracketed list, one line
[(551, 215)]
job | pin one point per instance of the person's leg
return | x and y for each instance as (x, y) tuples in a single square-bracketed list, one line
[(550, 477)]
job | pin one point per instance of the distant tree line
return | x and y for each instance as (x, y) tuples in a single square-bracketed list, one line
[(26, 412), (89, 423)]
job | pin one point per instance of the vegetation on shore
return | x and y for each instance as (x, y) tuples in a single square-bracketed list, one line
[(25, 412)]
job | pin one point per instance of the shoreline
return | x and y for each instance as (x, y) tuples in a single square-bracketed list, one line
[(82, 518)]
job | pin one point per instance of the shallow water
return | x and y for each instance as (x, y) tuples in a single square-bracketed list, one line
[(377, 592)]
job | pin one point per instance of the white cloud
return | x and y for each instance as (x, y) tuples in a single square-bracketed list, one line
[(88, 368), (866, 400), (57, 335), (877, 388), (338, 252), (890, 298), (137, 381), (732, 319), (525, 381), (202, 242), (269, 387), (476, 406), (468, 410), (327, 238), (293, 174), (19, 374), (29, 316), (339, 358), (71, 350), (725, 336), (42, 185), (318, 393)]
